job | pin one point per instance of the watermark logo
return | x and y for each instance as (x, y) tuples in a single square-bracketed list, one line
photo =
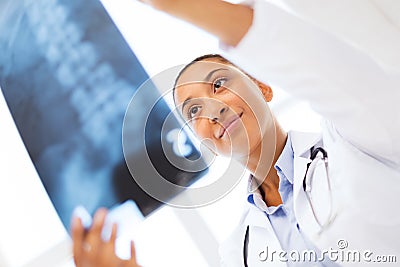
[(340, 254), (342, 244)]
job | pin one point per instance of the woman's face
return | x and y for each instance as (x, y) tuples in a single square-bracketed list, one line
[(224, 107)]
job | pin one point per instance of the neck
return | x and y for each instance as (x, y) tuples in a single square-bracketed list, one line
[(262, 161)]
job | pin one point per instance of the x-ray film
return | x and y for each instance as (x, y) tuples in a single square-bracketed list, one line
[(68, 75)]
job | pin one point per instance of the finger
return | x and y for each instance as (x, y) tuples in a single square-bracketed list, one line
[(133, 254), (77, 233), (94, 238), (113, 236), (111, 243)]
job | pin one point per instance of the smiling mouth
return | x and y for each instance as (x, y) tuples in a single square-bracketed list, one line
[(230, 123)]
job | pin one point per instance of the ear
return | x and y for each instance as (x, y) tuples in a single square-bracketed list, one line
[(266, 90)]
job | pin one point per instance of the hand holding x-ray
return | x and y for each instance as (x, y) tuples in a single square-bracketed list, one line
[(91, 248)]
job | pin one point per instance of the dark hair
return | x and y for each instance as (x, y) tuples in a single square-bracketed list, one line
[(201, 58), (198, 59)]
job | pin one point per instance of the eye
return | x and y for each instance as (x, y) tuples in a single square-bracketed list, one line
[(193, 111), (218, 83)]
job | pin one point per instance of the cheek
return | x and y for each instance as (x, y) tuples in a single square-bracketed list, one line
[(201, 128), (253, 130), (258, 114)]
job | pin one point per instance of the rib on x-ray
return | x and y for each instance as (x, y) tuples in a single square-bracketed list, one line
[(68, 75)]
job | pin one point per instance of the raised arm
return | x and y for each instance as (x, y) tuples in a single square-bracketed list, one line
[(340, 81), (228, 22)]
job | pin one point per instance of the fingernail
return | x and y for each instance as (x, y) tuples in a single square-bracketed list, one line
[(84, 217), (100, 214), (74, 222)]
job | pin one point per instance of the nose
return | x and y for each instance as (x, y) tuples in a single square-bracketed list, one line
[(217, 112)]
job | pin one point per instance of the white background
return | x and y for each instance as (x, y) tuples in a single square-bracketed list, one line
[(29, 225)]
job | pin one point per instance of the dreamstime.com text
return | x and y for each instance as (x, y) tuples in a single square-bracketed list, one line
[(339, 254)]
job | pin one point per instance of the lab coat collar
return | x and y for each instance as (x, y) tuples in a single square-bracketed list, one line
[(302, 142), (255, 217), (261, 231), (284, 164)]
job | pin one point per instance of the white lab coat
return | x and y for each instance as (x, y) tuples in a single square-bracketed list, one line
[(350, 74), (261, 234)]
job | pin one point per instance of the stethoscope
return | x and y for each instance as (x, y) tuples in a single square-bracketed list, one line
[(317, 155)]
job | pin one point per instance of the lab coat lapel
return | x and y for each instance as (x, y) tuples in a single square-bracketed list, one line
[(261, 234), (262, 239), (301, 144)]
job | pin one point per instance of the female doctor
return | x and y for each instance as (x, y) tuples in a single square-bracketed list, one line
[(354, 86)]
